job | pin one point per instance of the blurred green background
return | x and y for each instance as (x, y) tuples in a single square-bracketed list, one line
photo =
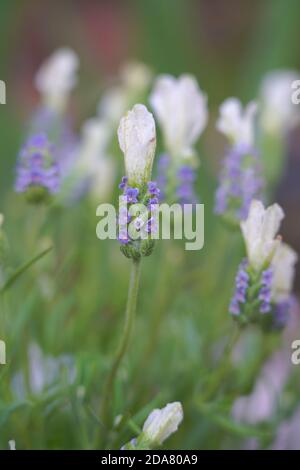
[(73, 300), (229, 46)]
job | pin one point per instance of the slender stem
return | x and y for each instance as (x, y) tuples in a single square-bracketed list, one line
[(106, 405), (223, 365)]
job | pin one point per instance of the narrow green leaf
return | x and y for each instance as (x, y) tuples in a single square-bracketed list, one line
[(11, 280)]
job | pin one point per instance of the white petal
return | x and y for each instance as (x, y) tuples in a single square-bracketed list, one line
[(181, 109), (237, 124), (137, 139), (283, 266), (161, 423), (278, 114), (57, 77), (12, 444), (259, 231)]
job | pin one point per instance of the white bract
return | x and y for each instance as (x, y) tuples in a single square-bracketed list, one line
[(161, 423), (259, 232), (12, 444), (283, 266), (278, 113), (135, 78), (57, 77), (181, 109), (137, 139), (93, 160), (236, 123)]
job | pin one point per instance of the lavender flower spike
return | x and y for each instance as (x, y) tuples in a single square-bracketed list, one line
[(240, 178), (37, 168), (242, 282)]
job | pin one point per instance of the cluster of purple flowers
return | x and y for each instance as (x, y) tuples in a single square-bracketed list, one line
[(265, 291), (242, 283), (60, 131), (241, 286), (282, 312), (185, 190), (185, 178), (144, 221), (257, 294), (37, 166), (240, 182)]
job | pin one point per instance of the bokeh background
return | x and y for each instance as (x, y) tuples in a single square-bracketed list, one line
[(72, 302)]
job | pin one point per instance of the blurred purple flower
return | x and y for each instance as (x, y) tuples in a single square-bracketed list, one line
[(241, 286), (240, 181), (37, 166)]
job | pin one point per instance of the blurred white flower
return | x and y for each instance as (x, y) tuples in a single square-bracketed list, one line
[(236, 123), (44, 372), (12, 444), (161, 423), (283, 265), (137, 139), (181, 109), (1, 220), (57, 77), (261, 404), (135, 78), (93, 160), (259, 231), (278, 113), (113, 104)]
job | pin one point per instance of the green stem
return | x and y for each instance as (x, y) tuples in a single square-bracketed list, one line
[(106, 405), (223, 366)]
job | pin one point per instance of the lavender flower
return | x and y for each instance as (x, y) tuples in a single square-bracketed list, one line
[(183, 184), (131, 194), (37, 166), (265, 291), (240, 179), (239, 182), (242, 283), (185, 190), (123, 183), (153, 189), (281, 313), (264, 280), (145, 222)]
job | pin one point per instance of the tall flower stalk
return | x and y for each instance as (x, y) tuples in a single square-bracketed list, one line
[(137, 138), (125, 339)]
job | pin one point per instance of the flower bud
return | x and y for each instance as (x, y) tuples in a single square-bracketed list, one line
[(161, 423), (237, 124), (181, 108), (137, 139), (12, 444), (278, 113), (259, 231), (57, 77)]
